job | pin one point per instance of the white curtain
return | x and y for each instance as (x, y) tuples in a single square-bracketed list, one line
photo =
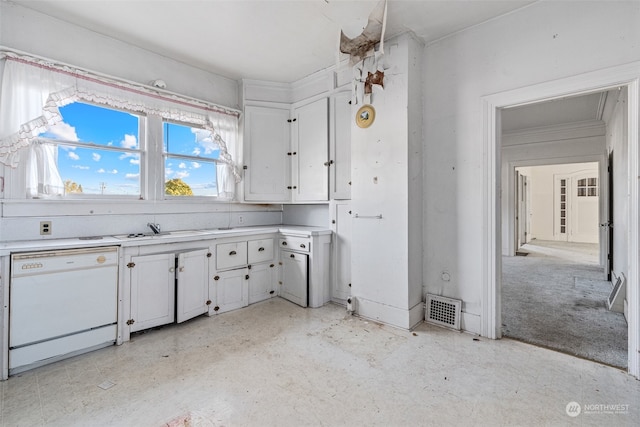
[(32, 91), (43, 178)]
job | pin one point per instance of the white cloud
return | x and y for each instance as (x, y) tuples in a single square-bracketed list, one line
[(168, 171), (196, 151), (132, 176), (73, 156), (80, 167), (62, 130), (181, 174), (134, 161), (129, 141), (113, 171), (96, 157), (182, 165), (195, 165)]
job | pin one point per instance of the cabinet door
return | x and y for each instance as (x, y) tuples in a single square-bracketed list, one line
[(340, 146), (311, 148), (295, 283), (262, 279), (192, 284), (267, 140), (341, 225), (152, 291), (232, 289)]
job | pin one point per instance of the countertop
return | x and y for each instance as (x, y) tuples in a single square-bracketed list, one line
[(6, 248)]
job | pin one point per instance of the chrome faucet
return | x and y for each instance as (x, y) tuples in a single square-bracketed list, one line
[(154, 227)]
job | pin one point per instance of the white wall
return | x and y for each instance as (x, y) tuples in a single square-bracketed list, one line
[(543, 42), (39, 34)]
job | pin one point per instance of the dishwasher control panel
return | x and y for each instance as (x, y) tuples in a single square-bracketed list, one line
[(63, 260)]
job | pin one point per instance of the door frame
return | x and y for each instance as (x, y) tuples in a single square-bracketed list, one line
[(627, 76)]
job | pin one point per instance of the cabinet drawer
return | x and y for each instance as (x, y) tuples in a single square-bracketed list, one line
[(260, 250), (230, 255), (295, 243)]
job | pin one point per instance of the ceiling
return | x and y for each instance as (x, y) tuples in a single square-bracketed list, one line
[(274, 40), (554, 112)]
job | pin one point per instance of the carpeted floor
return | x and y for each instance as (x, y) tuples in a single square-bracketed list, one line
[(556, 298)]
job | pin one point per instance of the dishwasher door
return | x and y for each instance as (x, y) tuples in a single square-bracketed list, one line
[(61, 301)]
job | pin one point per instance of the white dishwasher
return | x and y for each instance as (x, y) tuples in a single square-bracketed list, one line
[(61, 303)]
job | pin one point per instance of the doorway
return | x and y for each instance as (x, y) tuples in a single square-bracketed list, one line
[(625, 77), (554, 291)]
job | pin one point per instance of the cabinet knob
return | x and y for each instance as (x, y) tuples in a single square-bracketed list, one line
[(216, 278), (216, 308), (333, 221), (284, 243), (232, 253), (246, 277), (260, 249), (208, 302), (302, 245), (292, 256), (171, 270)]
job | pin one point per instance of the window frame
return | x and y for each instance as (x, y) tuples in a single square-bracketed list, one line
[(165, 155), (140, 151)]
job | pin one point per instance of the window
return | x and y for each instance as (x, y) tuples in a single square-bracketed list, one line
[(588, 187), (98, 150), (190, 161)]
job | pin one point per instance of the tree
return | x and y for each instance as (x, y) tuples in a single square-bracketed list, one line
[(177, 187), (71, 187)]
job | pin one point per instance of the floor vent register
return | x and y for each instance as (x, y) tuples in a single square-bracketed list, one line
[(443, 311)]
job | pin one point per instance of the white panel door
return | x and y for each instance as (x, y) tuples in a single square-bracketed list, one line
[(340, 146), (262, 279), (294, 277), (310, 152), (267, 140), (152, 291), (232, 289), (341, 251), (192, 284)]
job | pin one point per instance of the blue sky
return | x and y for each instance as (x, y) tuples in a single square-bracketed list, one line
[(102, 171)]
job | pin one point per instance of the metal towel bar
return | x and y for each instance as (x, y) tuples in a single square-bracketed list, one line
[(379, 216)]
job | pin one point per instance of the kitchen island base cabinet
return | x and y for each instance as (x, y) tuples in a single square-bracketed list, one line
[(231, 288), (295, 282)]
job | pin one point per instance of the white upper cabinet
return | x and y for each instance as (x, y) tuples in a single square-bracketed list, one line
[(310, 152), (340, 146), (267, 140), (286, 153)]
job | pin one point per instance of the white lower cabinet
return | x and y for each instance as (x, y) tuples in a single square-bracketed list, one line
[(262, 280), (192, 284), (160, 293), (295, 277), (231, 290)]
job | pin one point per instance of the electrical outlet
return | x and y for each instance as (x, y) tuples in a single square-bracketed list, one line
[(45, 228), (240, 219)]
